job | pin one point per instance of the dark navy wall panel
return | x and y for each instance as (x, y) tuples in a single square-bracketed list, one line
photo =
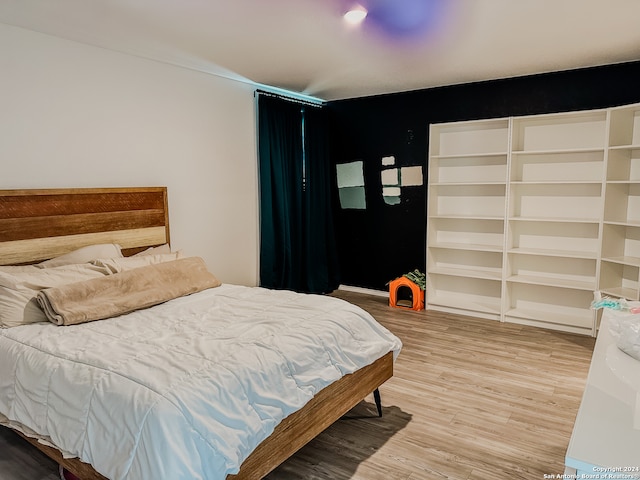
[(384, 241)]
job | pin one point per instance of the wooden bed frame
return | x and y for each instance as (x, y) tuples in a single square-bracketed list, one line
[(36, 225)]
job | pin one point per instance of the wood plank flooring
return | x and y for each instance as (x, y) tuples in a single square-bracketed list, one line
[(21, 461), (470, 399)]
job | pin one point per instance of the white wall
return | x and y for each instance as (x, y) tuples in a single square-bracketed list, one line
[(73, 115)]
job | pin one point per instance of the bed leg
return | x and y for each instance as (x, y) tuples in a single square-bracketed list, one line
[(376, 397)]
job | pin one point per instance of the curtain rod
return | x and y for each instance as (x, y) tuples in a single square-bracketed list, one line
[(290, 99)]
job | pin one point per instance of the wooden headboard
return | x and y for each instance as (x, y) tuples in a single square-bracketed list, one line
[(37, 225)]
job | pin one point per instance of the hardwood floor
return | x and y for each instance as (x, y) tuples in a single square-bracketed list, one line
[(21, 461), (470, 399)]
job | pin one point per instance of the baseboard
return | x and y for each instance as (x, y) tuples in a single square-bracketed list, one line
[(368, 291)]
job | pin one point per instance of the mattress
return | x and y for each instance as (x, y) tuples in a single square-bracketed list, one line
[(186, 389)]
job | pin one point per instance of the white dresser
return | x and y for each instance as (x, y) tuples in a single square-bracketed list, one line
[(605, 442)]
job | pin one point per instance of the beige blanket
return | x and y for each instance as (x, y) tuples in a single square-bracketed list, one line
[(124, 292)]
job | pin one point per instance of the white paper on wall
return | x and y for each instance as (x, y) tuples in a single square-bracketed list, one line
[(411, 176), (352, 198), (350, 174), (390, 177), (391, 191)]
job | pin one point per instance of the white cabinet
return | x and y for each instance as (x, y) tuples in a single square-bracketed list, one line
[(555, 207), (527, 216), (620, 269), (467, 204)]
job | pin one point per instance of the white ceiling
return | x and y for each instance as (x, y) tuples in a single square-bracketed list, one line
[(304, 45)]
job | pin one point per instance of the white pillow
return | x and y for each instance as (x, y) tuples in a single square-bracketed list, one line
[(162, 249), (18, 290), (84, 255), (123, 264)]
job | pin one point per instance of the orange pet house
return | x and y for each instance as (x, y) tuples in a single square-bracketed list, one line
[(403, 293)]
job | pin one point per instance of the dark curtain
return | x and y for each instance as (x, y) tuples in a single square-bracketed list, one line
[(297, 246), (322, 265)]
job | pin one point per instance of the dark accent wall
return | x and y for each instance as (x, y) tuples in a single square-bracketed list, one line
[(383, 241)]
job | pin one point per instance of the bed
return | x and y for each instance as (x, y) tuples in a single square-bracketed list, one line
[(38, 225)]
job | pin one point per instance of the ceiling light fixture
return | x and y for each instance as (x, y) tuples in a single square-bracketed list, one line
[(356, 15), (403, 20)]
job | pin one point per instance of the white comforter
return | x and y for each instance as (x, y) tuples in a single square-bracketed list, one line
[(186, 389)]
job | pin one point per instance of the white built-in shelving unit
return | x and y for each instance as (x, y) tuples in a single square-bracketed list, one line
[(528, 216), (620, 263), (467, 205)]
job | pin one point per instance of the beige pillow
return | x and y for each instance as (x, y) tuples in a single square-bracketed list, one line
[(18, 290), (155, 250), (84, 255), (125, 292), (116, 265)]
